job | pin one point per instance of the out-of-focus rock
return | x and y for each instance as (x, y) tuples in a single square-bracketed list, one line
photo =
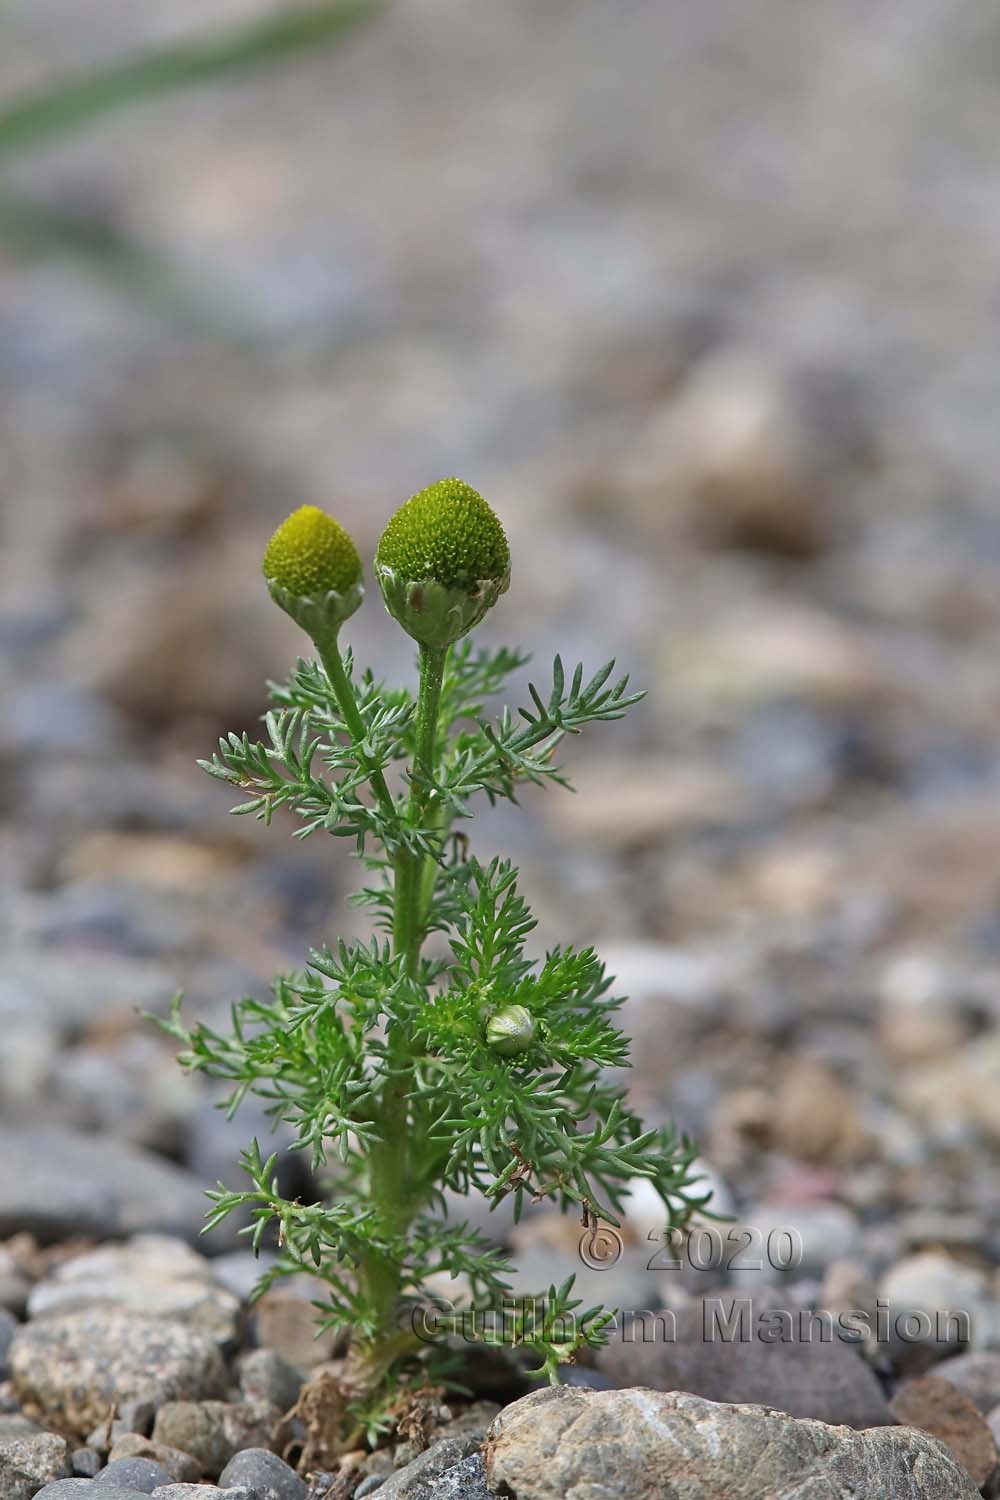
[(609, 1445), (71, 992), (935, 1406), (73, 1368), (152, 1275), (735, 455), (919, 1018), (935, 1305), (129, 1086), (771, 1356), (266, 1378), (181, 1466), (263, 1473), (29, 1460), (631, 804), (285, 1321), (976, 1375), (815, 1117), (957, 1095), (776, 1238), (769, 651), (212, 1431), (157, 663), (57, 1184)]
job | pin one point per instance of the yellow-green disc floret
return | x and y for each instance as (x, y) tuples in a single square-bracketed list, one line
[(311, 554), (447, 533)]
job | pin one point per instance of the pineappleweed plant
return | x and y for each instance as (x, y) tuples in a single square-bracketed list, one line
[(406, 1068)]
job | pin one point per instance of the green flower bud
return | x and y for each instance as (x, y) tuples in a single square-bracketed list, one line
[(442, 562), (313, 571), (510, 1030)]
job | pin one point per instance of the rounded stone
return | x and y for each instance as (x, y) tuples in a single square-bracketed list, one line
[(85, 1463), (153, 1275), (260, 1470), (56, 1183), (84, 1489), (198, 1428), (938, 1301), (73, 1367), (936, 1406), (369, 1486), (266, 1377), (203, 1492), (141, 1474), (592, 1444), (976, 1375), (181, 1466), (28, 1460), (8, 1326)]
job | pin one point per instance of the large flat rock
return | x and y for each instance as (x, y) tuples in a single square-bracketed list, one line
[(57, 1184), (640, 1444), (70, 1369)]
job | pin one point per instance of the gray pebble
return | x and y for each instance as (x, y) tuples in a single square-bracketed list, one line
[(418, 1479), (240, 1270), (152, 1275), (197, 1428), (29, 1460), (86, 1489), (380, 1462), (265, 1376), (180, 1466), (85, 1463), (56, 1183), (79, 1363), (464, 1481), (58, 717), (260, 1470), (133, 1473), (137, 1416), (7, 1326), (104, 1437), (15, 1424), (202, 1492)]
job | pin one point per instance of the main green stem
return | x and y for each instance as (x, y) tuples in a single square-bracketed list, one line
[(413, 870), (395, 1185), (393, 1188)]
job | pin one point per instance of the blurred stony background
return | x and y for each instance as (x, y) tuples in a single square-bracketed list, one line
[(705, 302)]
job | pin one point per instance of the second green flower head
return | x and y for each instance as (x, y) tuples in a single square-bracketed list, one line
[(313, 571), (442, 562)]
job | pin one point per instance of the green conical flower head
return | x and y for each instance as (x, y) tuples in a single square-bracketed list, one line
[(442, 562), (310, 554), (313, 572), (448, 533)]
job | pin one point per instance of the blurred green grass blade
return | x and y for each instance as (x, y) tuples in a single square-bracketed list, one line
[(36, 231), (65, 106)]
